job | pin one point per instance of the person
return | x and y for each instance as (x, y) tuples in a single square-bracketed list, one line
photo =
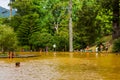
[(10, 54), (96, 49), (101, 47), (87, 48), (106, 48), (17, 64), (46, 48)]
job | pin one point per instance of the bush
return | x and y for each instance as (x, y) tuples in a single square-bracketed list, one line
[(8, 39), (116, 45)]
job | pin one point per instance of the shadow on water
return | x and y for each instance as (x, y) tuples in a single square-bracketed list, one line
[(62, 66)]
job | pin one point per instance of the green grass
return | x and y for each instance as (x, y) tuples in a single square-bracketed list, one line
[(3, 54), (105, 39)]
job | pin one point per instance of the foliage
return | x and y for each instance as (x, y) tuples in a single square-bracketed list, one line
[(41, 23), (113, 6), (41, 40), (25, 22), (0, 21), (86, 25), (27, 27), (8, 39), (63, 39), (116, 45)]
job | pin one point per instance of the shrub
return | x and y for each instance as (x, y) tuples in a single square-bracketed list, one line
[(8, 39), (116, 45)]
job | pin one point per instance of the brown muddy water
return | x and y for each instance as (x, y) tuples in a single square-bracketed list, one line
[(62, 66)]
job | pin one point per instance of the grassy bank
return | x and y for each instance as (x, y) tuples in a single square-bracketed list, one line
[(105, 40)]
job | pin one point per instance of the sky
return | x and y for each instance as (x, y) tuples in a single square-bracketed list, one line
[(4, 3)]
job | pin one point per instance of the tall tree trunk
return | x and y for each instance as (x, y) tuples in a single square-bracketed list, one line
[(70, 28), (11, 8), (116, 26)]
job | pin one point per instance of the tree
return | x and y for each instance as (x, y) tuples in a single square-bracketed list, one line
[(54, 17), (41, 40), (0, 21), (70, 28), (63, 39), (86, 30), (51, 18), (27, 27), (116, 19), (113, 6), (8, 39), (26, 21), (116, 45)]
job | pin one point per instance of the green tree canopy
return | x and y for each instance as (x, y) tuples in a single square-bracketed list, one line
[(8, 39), (91, 20)]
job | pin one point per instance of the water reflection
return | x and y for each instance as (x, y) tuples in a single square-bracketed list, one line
[(96, 55), (54, 54), (62, 66), (71, 55)]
